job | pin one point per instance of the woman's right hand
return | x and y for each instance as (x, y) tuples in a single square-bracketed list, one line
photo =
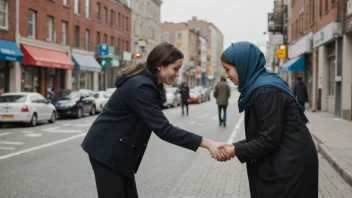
[(216, 149)]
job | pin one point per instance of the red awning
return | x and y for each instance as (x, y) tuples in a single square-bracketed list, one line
[(45, 57)]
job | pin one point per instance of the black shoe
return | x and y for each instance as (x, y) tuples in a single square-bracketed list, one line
[(224, 125)]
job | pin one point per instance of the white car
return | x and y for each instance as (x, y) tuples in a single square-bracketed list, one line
[(109, 91), (25, 107), (100, 100), (171, 98)]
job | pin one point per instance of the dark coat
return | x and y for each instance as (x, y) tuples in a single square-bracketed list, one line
[(184, 93), (222, 93), (119, 136), (281, 157), (300, 92)]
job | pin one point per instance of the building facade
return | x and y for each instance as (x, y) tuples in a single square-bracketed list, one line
[(146, 26), (59, 41)]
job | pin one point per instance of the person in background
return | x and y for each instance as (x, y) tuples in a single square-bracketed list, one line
[(222, 95), (184, 96), (300, 92)]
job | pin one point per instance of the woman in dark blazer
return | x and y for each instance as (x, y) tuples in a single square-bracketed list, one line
[(119, 136), (279, 151)]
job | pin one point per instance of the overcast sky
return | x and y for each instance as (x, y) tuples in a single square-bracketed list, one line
[(239, 20)]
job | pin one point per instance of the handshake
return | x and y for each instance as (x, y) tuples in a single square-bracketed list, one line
[(221, 151)]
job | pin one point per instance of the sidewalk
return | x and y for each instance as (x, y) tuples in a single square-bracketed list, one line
[(334, 137)]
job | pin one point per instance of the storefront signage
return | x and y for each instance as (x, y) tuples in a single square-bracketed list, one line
[(7, 51), (326, 34), (302, 46)]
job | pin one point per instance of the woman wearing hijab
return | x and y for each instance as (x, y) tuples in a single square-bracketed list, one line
[(279, 151), (118, 138)]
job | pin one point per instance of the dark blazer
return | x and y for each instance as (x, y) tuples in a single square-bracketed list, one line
[(184, 93), (281, 157), (119, 136), (300, 92)]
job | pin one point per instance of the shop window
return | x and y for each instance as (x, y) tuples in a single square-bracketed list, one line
[(30, 79), (331, 58), (4, 14)]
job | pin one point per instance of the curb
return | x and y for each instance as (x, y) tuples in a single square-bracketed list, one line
[(339, 166)]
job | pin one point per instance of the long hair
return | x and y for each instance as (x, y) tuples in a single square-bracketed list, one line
[(162, 55)]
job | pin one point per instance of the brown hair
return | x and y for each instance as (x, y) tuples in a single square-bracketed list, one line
[(224, 59), (162, 55)]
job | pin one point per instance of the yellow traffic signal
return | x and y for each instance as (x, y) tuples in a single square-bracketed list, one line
[(282, 47)]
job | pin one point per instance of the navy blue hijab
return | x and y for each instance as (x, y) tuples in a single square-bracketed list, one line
[(250, 62)]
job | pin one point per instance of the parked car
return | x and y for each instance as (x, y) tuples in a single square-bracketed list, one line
[(171, 98), (195, 96), (73, 103), (100, 100), (25, 107), (178, 95), (109, 92), (206, 94)]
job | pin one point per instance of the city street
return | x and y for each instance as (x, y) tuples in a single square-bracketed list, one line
[(47, 161)]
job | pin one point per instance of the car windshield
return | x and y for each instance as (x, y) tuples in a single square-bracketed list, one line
[(66, 95), (13, 98)]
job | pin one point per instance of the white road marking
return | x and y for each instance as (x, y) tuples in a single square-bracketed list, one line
[(57, 130), (27, 131), (7, 148), (201, 124), (214, 118), (66, 125), (89, 120), (11, 143), (192, 122), (5, 133), (82, 125), (202, 116), (234, 133), (34, 135), (42, 146)]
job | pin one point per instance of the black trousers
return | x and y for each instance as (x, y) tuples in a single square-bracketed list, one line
[(112, 184), (223, 118), (184, 103), (302, 103)]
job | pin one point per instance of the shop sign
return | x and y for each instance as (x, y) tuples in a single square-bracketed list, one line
[(302, 46), (327, 34)]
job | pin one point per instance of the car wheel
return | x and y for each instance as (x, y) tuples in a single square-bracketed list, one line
[(53, 117), (34, 120), (79, 113), (92, 112)]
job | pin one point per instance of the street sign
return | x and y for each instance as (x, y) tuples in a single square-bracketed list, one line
[(103, 49)]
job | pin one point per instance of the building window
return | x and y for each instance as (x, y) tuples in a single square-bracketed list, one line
[(87, 8), (98, 38), (105, 39), (98, 11), (127, 46), (331, 68), (86, 40), (321, 8), (178, 35), (64, 2), (126, 23), (76, 36), (312, 12), (63, 32), (30, 79), (119, 20), (326, 6), (112, 18), (112, 39), (31, 23), (123, 22), (76, 6), (105, 13), (119, 44), (166, 36), (49, 28), (333, 3), (4, 11)]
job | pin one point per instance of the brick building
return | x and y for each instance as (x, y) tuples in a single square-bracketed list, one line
[(59, 40)]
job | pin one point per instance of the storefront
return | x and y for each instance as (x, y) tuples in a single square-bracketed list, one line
[(86, 70), (347, 66), (299, 64), (43, 70), (327, 45), (9, 53)]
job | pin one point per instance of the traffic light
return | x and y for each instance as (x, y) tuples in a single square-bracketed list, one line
[(282, 47), (137, 55), (105, 62)]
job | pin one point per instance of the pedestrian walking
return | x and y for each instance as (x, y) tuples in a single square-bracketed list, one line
[(184, 96), (300, 92), (279, 151), (222, 95), (118, 137)]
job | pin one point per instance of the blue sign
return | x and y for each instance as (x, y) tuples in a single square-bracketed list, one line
[(103, 49), (9, 51)]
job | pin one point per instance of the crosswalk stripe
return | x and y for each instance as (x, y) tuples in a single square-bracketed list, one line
[(7, 148), (11, 143), (5, 133)]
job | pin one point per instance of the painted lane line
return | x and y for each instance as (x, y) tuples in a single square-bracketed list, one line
[(11, 143), (65, 131), (5, 133), (82, 125), (192, 122), (237, 127), (202, 116), (51, 129), (42, 146), (7, 148), (27, 132), (201, 124), (34, 135), (66, 125)]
